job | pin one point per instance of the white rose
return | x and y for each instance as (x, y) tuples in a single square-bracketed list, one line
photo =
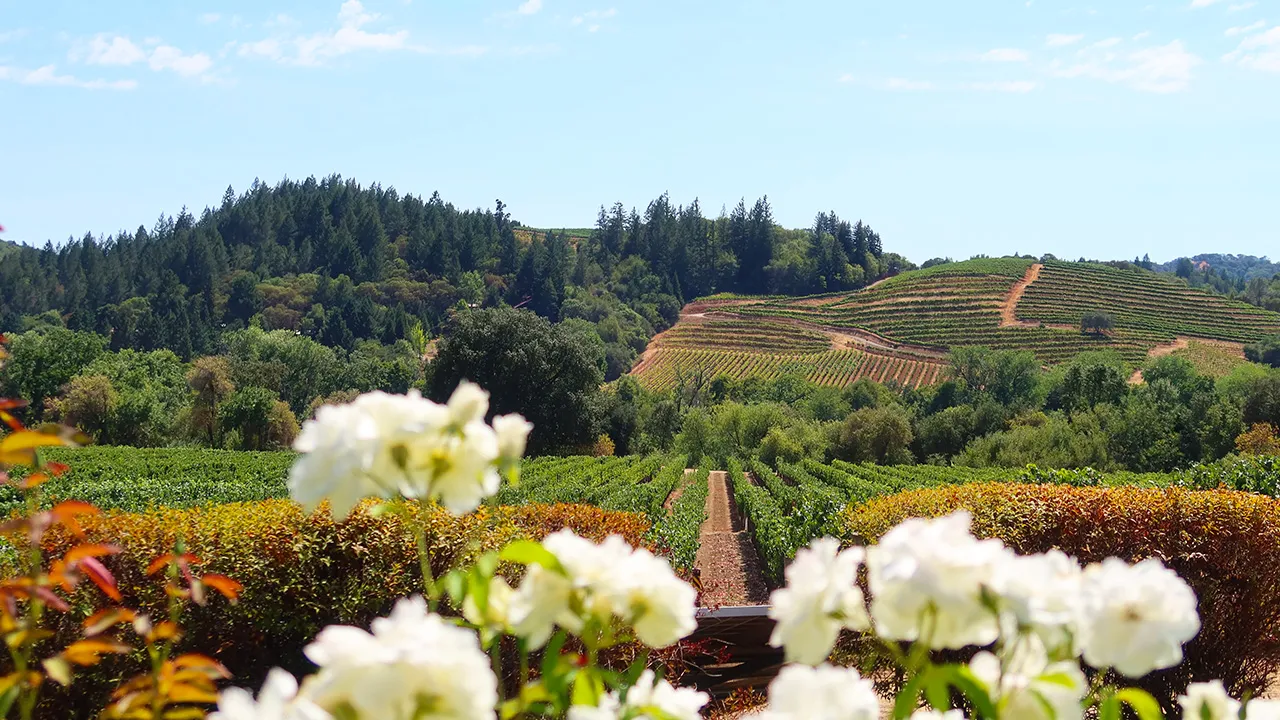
[(649, 694), (820, 599), (497, 613), (1262, 710), (821, 693), (1042, 593), (661, 607), (1025, 685), (277, 700), (513, 434), (468, 404), (337, 448), (928, 582), (411, 657), (1135, 618), (539, 604), (1210, 701)]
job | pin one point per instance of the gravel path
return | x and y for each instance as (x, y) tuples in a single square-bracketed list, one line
[(1009, 313), (727, 561)]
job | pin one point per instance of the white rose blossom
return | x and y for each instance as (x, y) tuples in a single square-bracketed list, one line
[(1135, 618), (930, 581), (820, 599), (277, 700), (1026, 685), (1262, 710), (1041, 593), (649, 698), (382, 445), (824, 692), (1210, 701), (410, 660), (603, 581)]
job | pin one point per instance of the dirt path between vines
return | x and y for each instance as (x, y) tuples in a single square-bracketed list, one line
[(1009, 313), (670, 502), (727, 562)]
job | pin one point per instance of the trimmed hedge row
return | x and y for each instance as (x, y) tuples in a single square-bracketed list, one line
[(300, 573), (1225, 544)]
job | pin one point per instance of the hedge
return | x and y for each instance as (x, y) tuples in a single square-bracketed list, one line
[(300, 573), (1225, 544)]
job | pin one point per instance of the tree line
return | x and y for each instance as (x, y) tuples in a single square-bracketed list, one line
[(342, 263)]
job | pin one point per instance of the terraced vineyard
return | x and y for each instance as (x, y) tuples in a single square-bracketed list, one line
[(665, 366), (1015, 303), (1156, 306)]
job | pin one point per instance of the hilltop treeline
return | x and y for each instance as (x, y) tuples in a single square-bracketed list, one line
[(340, 263)]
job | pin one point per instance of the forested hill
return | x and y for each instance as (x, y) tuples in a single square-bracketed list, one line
[(340, 262)]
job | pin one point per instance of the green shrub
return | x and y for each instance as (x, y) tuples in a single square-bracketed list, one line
[(679, 533), (1225, 544)]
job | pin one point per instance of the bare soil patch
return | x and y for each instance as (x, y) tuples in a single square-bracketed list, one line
[(670, 502), (1009, 313), (727, 562)]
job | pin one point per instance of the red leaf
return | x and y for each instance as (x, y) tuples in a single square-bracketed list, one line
[(101, 577), (53, 600), (225, 585)]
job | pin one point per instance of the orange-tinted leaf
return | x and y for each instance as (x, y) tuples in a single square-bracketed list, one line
[(163, 561), (184, 693), (101, 577), (19, 448), (104, 619), (9, 681), (74, 508), (184, 713), (89, 652), (165, 631), (14, 423), (197, 661), (56, 469), (223, 584), (26, 637), (12, 403), (35, 479), (80, 552)]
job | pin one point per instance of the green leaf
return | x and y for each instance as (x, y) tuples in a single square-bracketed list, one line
[(937, 687), (453, 583), (7, 698), (908, 699), (487, 564), (1142, 703), (1109, 709), (973, 689), (528, 552), (584, 690)]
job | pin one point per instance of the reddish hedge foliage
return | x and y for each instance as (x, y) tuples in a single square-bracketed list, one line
[(1225, 544), (300, 573)]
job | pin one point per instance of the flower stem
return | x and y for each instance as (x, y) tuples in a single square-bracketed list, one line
[(495, 654), (424, 562)]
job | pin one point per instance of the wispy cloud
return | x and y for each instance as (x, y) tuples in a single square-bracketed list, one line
[(1005, 55), (352, 34), (1260, 51), (167, 57), (210, 18), (1008, 86), (1241, 6), (1245, 29), (48, 75), (9, 35), (591, 19), (1161, 69), (117, 50), (529, 7), (1204, 3), (1061, 40)]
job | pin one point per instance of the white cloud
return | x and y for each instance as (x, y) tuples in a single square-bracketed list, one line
[(1241, 6), (1142, 35), (845, 78), (907, 85), (1060, 40), (1008, 86), (268, 48), (210, 18), (1260, 51), (167, 57), (1160, 69), (12, 35), (1245, 29), (1204, 3), (1005, 55), (529, 7), (1105, 43), (116, 51), (48, 75)]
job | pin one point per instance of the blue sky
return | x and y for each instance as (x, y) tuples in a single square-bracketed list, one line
[(1106, 130)]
